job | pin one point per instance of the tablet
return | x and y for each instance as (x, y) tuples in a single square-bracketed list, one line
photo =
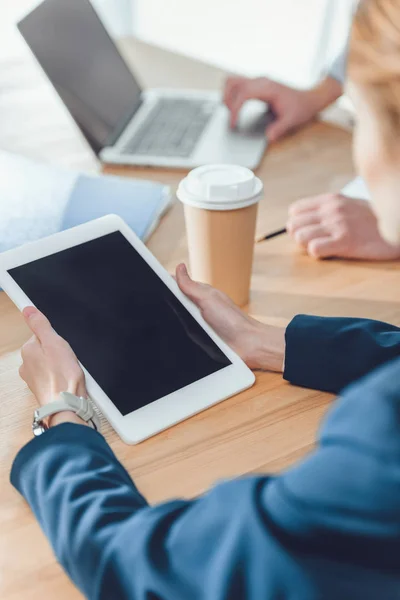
[(149, 358)]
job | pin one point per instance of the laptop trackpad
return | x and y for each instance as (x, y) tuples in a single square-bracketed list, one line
[(254, 118), (243, 145)]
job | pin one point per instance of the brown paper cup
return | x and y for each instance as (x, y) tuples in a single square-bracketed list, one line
[(221, 248)]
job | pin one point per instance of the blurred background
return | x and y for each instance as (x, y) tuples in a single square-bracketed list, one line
[(293, 41)]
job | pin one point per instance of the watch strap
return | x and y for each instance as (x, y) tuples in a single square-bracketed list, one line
[(82, 407)]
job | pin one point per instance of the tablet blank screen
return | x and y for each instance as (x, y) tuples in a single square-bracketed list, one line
[(127, 328)]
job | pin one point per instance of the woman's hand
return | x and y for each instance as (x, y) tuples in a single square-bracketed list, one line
[(49, 365), (333, 225), (260, 346)]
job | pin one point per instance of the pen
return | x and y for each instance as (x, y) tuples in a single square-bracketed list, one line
[(272, 235)]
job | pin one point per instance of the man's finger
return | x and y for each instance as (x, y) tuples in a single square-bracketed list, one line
[(302, 220), (231, 86), (193, 290), (250, 90), (38, 324), (307, 204), (312, 232), (277, 129), (239, 99), (325, 247)]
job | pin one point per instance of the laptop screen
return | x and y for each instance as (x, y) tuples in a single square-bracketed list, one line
[(84, 65)]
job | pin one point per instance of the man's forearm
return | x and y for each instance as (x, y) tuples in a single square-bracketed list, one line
[(324, 94)]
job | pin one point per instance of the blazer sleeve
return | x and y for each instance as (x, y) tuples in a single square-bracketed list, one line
[(328, 528), (328, 354), (343, 502), (112, 544)]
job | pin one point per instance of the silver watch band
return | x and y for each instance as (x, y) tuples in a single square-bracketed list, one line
[(82, 407)]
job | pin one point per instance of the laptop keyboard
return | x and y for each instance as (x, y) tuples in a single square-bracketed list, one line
[(172, 128)]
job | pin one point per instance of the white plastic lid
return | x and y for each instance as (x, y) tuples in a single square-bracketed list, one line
[(220, 187)]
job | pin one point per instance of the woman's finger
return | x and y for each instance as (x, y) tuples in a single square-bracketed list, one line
[(38, 324), (31, 345), (30, 351), (22, 372)]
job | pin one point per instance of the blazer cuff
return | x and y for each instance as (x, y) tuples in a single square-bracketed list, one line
[(308, 360), (65, 434)]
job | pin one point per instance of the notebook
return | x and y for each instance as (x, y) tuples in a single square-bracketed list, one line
[(37, 200)]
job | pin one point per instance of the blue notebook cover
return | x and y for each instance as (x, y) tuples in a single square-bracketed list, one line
[(139, 203)]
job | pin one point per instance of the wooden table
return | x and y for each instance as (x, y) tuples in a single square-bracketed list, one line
[(264, 429)]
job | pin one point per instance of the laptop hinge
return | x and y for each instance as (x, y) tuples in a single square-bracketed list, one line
[(119, 129)]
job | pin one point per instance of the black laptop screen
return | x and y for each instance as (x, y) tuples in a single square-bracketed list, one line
[(84, 65)]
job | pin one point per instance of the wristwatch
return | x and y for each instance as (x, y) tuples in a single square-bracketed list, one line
[(82, 407)]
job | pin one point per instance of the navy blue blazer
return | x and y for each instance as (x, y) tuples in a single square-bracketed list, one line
[(326, 529)]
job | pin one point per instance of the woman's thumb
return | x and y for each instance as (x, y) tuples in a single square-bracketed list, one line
[(190, 288)]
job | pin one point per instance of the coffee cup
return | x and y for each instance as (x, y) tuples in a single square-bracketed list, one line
[(220, 204)]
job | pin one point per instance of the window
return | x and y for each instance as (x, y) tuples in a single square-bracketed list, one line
[(290, 40)]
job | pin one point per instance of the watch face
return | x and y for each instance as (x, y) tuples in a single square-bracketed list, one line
[(38, 430), (38, 427)]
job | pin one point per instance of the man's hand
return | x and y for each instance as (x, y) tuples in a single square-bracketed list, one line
[(333, 225), (292, 108), (260, 346), (49, 364)]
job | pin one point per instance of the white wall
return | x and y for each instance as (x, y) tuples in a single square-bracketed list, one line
[(291, 40)]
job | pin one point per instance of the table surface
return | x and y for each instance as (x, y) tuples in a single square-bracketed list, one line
[(265, 428)]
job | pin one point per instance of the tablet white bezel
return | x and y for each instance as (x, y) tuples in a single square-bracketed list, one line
[(168, 410)]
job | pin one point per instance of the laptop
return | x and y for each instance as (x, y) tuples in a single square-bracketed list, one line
[(123, 123)]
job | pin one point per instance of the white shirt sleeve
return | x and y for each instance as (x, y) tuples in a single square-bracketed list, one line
[(339, 67)]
